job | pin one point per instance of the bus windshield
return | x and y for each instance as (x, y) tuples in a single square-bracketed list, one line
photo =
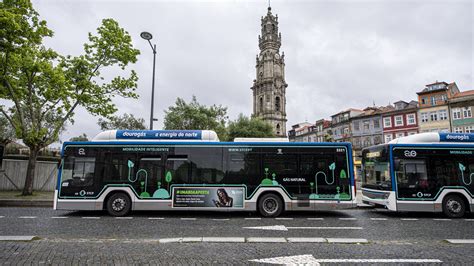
[(376, 169)]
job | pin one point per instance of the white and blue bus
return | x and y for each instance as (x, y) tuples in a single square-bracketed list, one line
[(125, 170), (427, 172)]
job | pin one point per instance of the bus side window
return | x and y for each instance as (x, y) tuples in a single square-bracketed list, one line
[(414, 174), (178, 166)]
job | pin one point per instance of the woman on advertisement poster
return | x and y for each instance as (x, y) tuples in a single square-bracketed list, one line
[(223, 199)]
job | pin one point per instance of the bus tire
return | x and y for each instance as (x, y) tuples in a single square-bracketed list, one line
[(454, 206), (119, 204), (270, 205)]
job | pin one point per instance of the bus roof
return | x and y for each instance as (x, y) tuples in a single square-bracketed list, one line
[(156, 135), (435, 138)]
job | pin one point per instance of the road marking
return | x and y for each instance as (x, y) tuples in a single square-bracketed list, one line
[(460, 241), (347, 240), (315, 219), (255, 218), (224, 239), (283, 218), (90, 217), (290, 260), (442, 219), (156, 218), (469, 220), (27, 217), (188, 219), (124, 218), (310, 260), (378, 219), (348, 219), (306, 240), (378, 261), (16, 238), (169, 240), (409, 219), (220, 219), (266, 240), (59, 217), (2, 216), (286, 228)]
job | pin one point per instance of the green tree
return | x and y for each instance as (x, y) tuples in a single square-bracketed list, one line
[(82, 137), (7, 134), (43, 88), (245, 127), (193, 115), (126, 121)]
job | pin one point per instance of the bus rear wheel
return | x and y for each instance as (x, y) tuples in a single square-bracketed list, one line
[(453, 206), (119, 204), (270, 205)]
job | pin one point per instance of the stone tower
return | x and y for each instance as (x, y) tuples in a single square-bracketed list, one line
[(269, 88)]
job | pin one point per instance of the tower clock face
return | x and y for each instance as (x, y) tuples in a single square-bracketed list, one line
[(277, 56)]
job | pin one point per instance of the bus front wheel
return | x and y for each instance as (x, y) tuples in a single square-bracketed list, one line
[(453, 206), (119, 204), (270, 205)]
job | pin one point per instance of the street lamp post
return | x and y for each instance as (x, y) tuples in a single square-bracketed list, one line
[(147, 36)]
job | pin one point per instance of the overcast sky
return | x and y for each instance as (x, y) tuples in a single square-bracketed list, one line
[(339, 54)]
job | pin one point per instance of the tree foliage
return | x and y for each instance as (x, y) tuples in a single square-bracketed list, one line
[(44, 88), (7, 134), (126, 121), (245, 127), (82, 137), (193, 115)]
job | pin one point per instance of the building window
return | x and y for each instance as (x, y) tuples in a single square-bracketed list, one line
[(469, 129), (411, 133), (424, 117), (458, 130), (356, 125), (456, 113), (411, 119), (261, 104), (399, 120), (346, 130), (433, 100), (423, 100), (376, 123), (467, 112), (387, 122), (399, 135), (444, 98), (277, 103), (443, 115), (366, 124), (434, 116), (278, 129), (388, 138)]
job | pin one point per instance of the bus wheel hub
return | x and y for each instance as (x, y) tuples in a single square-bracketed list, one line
[(118, 204), (453, 206)]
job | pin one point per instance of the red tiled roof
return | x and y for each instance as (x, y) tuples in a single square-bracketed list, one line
[(464, 93)]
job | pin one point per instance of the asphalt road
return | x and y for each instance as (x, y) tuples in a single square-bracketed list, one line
[(182, 238)]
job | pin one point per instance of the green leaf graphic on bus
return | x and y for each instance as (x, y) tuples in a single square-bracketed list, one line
[(267, 181)]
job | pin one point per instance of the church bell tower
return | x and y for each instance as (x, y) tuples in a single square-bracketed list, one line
[(269, 87)]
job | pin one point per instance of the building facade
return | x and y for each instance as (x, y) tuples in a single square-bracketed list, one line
[(269, 87), (341, 125), (323, 130), (461, 107), (366, 129), (433, 113), (302, 132), (400, 120)]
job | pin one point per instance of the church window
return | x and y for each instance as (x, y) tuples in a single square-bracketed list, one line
[(278, 129), (261, 104), (277, 103)]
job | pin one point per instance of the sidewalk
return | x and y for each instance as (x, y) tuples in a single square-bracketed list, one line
[(14, 199)]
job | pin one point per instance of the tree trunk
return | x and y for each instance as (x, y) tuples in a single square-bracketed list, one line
[(30, 172)]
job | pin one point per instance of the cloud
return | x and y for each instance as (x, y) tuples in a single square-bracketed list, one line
[(339, 54)]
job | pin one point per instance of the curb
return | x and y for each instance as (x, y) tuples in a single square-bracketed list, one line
[(25, 203)]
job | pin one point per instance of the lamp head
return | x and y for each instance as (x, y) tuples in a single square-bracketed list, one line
[(146, 35)]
